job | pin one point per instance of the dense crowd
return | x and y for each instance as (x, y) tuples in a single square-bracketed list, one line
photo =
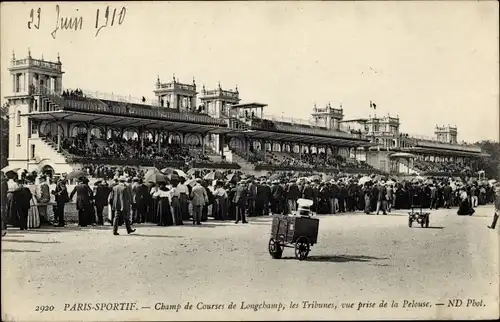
[(448, 167), (134, 198), (121, 148), (306, 160)]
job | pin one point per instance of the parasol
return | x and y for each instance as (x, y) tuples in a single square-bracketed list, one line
[(216, 175), (156, 177), (76, 174), (191, 182), (171, 171), (364, 180), (233, 177), (390, 182), (315, 178)]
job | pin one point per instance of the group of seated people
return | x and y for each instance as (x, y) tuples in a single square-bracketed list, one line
[(73, 94), (447, 167), (306, 160), (121, 148)]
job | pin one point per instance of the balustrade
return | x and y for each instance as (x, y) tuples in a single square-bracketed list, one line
[(37, 63)]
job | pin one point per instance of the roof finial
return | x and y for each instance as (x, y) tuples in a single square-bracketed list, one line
[(218, 85), (42, 56), (203, 89), (58, 58), (173, 77), (194, 83), (29, 52), (13, 55), (236, 89)]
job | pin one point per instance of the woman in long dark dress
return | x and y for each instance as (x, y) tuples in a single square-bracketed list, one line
[(164, 213), (464, 208)]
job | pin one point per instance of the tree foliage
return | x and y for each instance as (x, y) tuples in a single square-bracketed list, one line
[(4, 138), (490, 164)]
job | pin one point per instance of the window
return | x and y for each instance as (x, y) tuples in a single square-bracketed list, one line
[(32, 155), (18, 117), (18, 140), (34, 128)]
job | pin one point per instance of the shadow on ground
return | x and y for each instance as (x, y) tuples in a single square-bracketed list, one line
[(6, 239), (339, 258), (154, 236), (19, 251)]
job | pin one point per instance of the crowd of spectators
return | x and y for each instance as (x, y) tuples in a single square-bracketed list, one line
[(125, 149), (428, 166), (306, 160)]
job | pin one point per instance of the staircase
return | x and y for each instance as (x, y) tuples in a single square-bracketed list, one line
[(52, 101), (240, 158)]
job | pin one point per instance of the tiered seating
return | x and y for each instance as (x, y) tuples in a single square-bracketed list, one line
[(294, 161), (438, 167), (123, 151)]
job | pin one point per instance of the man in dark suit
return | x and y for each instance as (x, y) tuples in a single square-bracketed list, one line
[(381, 198), (121, 200), (101, 193), (62, 197), (447, 195), (83, 201), (293, 194), (240, 199), (263, 198), (23, 198)]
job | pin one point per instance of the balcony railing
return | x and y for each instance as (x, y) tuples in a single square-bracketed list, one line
[(36, 63), (113, 107), (121, 98), (220, 92), (185, 87)]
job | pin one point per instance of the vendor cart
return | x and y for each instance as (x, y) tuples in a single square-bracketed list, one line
[(294, 231), (419, 215)]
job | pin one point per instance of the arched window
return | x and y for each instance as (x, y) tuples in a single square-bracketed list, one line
[(18, 117)]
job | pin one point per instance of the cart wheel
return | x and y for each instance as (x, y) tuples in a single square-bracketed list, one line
[(302, 248), (275, 250), (427, 220), (422, 222), (410, 221)]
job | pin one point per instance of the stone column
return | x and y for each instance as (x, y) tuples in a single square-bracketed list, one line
[(88, 134), (58, 138)]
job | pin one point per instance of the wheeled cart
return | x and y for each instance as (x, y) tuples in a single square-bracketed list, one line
[(298, 232)]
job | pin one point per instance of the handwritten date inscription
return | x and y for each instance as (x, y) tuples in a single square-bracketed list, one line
[(107, 18)]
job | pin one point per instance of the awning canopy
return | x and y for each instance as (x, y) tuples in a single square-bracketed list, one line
[(402, 155), (127, 121), (300, 138)]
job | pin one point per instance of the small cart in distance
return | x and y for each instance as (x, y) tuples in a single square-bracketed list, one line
[(420, 216), (298, 232)]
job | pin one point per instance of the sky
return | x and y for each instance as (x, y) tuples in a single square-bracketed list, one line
[(431, 63)]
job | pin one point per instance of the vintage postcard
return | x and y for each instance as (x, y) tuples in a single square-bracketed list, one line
[(233, 160)]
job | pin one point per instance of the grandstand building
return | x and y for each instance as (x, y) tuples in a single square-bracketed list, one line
[(56, 130)]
